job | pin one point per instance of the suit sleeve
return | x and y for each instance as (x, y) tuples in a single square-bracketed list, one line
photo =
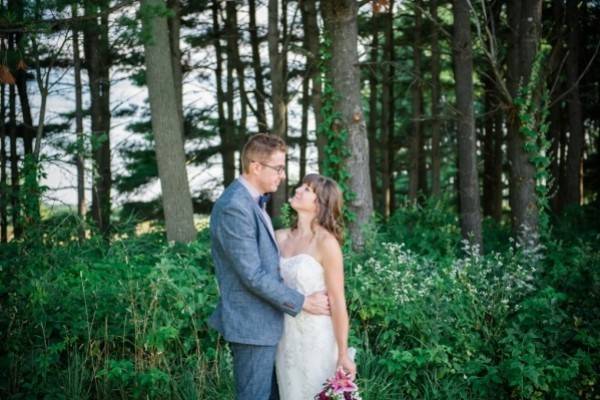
[(237, 237)]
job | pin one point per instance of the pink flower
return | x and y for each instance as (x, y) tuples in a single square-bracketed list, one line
[(339, 387), (341, 382)]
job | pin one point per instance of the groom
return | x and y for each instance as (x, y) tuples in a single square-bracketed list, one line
[(246, 257)]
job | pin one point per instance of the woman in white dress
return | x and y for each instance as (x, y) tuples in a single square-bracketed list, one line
[(313, 347)]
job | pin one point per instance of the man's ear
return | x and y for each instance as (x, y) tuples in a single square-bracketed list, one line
[(253, 168)]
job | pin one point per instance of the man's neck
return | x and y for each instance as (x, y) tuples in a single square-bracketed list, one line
[(251, 182)]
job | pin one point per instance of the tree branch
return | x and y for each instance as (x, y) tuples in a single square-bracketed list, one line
[(58, 24)]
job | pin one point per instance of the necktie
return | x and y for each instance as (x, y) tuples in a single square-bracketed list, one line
[(262, 200)]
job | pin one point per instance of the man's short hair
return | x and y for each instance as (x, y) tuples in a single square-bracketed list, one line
[(260, 147)]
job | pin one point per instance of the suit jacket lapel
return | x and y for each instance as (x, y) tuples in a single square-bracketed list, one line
[(266, 223), (258, 211)]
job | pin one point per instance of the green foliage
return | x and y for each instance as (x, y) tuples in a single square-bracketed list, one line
[(430, 320), (126, 314), (147, 13), (493, 326), (30, 194)]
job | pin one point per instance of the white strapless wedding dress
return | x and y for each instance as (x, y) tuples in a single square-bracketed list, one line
[(307, 352)]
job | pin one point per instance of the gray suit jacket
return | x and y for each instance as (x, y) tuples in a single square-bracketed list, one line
[(253, 296)]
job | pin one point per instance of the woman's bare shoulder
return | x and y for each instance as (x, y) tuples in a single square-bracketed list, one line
[(327, 244)]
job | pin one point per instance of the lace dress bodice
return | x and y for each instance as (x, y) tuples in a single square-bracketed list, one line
[(307, 351)]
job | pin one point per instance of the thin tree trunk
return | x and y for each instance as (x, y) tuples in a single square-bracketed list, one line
[(279, 128), (304, 122), (14, 165), (14, 157), (492, 152), (231, 128), (422, 162), (556, 133), (496, 211), (470, 212), (306, 8), (493, 129), (373, 115), (261, 114), (340, 21), (97, 55), (556, 108), (562, 164), (524, 23), (80, 156), (4, 192), (415, 140), (285, 40), (28, 129), (436, 160), (227, 153), (170, 155), (311, 32), (391, 150), (387, 109), (236, 61), (574, 167)]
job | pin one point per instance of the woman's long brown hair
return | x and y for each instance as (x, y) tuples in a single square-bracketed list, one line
[(330, 202)]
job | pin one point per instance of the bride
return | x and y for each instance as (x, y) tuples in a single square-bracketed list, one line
[(313, 347)]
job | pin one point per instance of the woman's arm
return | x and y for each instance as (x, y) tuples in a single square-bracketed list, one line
[(333, 264)]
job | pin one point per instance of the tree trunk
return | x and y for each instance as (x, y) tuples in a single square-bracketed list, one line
[(170, 155), (415, 140), (304, 122), (14, 166), (556, 133), (311, 32), (28, 130), (276, 58), (574, 167), (97, 57), (174, 23), (14, 157), (492, 142), (340, 21), (261, 114), (387, 110), (556, 108), (80, 156), (470, 212), (492, 151), (372, 125), (227, 153), (4, 193), (231, 128), (436, 158), (497, 197), (308, 11), (524, 23), (422, 162), (236, 62)]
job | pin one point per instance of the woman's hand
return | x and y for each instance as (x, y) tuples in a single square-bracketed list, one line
[(347, 365)]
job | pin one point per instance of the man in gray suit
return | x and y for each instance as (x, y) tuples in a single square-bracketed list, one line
[(253, 296)]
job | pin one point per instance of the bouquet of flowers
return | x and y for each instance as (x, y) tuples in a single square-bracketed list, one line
[(339, 387)]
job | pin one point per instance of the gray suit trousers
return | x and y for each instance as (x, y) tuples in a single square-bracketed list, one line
[(254, 372)]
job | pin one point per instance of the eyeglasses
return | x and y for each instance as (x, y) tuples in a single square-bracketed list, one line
[(280, 169)]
